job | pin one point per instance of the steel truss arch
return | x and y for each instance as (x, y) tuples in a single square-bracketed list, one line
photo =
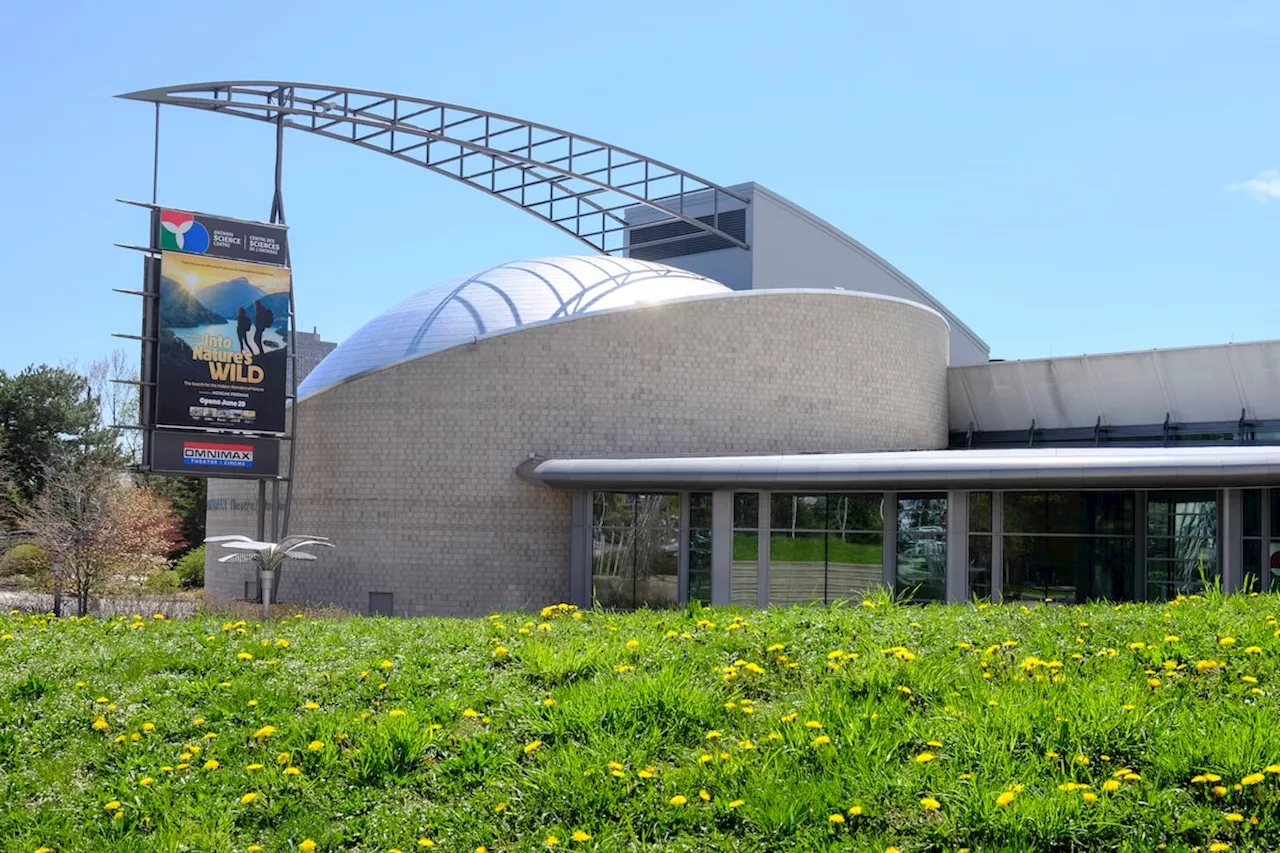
[(581, 185)]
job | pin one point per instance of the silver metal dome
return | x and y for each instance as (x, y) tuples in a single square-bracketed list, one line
[(499, 299)]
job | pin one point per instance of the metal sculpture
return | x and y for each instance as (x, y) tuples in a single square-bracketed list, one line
[(268, 556)]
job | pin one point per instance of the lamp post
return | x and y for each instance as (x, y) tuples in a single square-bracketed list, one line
[(268, 557)]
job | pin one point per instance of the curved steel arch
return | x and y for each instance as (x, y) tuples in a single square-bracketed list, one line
[(578, 184)]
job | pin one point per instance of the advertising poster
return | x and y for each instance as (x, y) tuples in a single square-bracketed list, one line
[(222, 343), (202, 454), (234, 239)]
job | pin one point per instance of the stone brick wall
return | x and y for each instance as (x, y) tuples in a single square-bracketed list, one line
[(411, 469)]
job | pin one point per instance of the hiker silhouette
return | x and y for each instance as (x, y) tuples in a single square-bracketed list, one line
[(262, 320), (242, 329)]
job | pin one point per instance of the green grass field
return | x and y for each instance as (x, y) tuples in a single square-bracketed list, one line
[(1139, 727)]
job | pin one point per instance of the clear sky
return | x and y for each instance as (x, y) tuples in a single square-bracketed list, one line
[(1066, 177)]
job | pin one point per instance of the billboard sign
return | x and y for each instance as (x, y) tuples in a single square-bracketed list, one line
[(222, 336), (196, 454), (234, 239)]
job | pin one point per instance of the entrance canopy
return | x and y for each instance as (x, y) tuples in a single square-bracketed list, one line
[(1035, 468)]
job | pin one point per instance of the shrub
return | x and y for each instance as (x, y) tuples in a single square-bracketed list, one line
[(190, 568), (28, 561), (166, 581)]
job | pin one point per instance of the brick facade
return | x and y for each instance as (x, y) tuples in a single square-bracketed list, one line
[(411, 469)]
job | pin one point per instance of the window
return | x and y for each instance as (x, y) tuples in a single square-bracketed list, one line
[(1254, 576), (700, 547), (746, 549), (1273, 549), (980, 549), (1069, 546), (1182, 542), (922, 547), (635, 547), (824, 547)]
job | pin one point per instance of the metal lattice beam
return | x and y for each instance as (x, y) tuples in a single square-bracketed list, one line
[(580, 185)]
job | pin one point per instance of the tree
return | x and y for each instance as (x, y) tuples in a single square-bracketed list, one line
[(109, 380), (99, 525), (46, 414), (188, 496)]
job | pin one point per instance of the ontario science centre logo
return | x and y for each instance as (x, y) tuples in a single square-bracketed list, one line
[(180, 232)]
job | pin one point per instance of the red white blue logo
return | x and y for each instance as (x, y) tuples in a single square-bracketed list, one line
[(181, 232), (217, 454)]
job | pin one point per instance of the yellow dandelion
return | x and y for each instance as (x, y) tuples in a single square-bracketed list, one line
[(813, 724), (930, 804), (212, 764), (678, 800), (312, 706), (580, 836), (264, 732), (145, 781), (924, 758), (101, 724), (1089, 797), (531, 746), (1227, 641), (307, 846), (1005, 798), (1234, 817), (836, 818), (316, 745), (1111, 786), (396, 712), (551, 841), (820, 740), (292, 771), (112, 806), (1252, 779), (249, 798), (244, 656), (253, 768), (426, 842), (733, 804)]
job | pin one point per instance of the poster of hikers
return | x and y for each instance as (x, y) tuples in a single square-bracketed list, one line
[(222, 344)]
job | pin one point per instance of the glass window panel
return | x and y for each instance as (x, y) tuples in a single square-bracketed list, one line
[(979, 512), (1112, 573), (1275, 512), (979, 566), (743, 590), (855, 512), (798, 512), (1045, 568), (700, 510), (1253, 574), (922, 547), (1182, 544), (1024, 512), (612, 562), (1273, 563), (1252, 512), (746, 510), (1113, 512), (797, 567), (612, 509), (656, 566), (700, 565), (855, 564)]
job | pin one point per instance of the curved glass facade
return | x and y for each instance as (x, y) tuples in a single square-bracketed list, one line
[(508, 296)]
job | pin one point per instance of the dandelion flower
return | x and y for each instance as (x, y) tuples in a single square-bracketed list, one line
[(1089, 797), (249, 798), (924, 758), (292, 771), (112, 806), (396, 712), (531, 746), (704, 795), (930, 804), (1218, 791), (253, 848), (551, 841), (244, 656), (101, 724), (500, 652), (426, 842), (212, 764), (1252, 779), (1153, 683), (1227, 641), (1271, 768), (733, 804), (580, 836), (813, 724), (633, 644), (678, 800), (936, 744), (500, 808), (1234, 817), (307, 846), (148, 727), (316, 745), (836, 818), (820, 740), (145, 781), (1005, 798), (1111, 786), (264, 732), (253, 768)]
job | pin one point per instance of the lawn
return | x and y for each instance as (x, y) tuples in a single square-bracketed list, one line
[(858, 727)]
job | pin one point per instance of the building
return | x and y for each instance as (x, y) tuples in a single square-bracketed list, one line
[(739, 404)]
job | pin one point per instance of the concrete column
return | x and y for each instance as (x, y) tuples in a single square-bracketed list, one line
[(889, 512), (580, 549), (721, 548), (957, 585), (1231, 539), (762, 554), (997, 546)]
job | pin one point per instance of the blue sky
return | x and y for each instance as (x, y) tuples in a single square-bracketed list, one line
[(1067, 178)]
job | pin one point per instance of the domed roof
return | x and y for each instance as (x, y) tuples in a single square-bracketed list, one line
[(502, 298)]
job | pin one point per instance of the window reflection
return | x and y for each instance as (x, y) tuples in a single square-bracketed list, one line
[(922, 547), (1182, 542), (635, 545), (1069, 546), (824, 547)]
